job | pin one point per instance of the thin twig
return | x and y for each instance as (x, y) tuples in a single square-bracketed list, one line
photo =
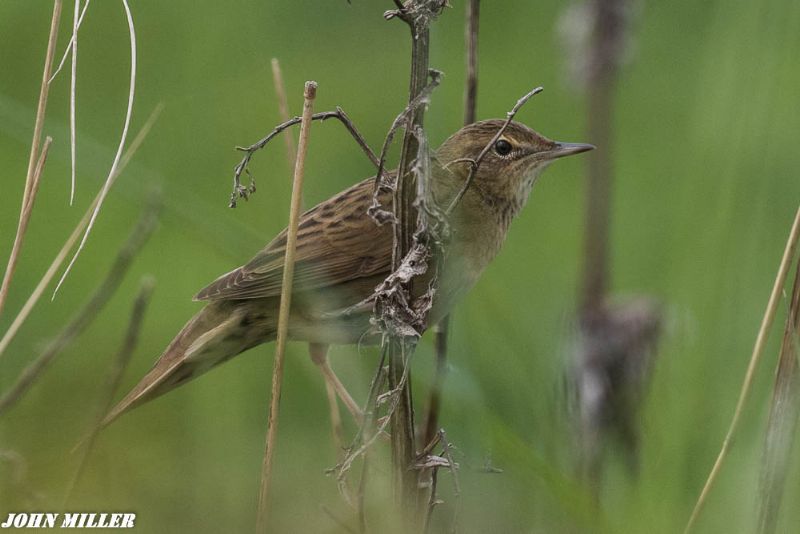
[(118, 156), (448, 454), (240, 191), (90, 310), (286, 298), (35, 144), (73, 238), (409, 226), (72, 92), (758, 350), (24, 219), (471, 81), (474, 164), (114, 379), (783, 416), (283, 108)]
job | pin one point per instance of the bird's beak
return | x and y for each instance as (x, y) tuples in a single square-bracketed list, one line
[(561, 150)]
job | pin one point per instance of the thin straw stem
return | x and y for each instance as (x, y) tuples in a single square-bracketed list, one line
[(285, 305), (38, 125), (758, 350)]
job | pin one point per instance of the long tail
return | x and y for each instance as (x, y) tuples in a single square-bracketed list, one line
[(211, 337)]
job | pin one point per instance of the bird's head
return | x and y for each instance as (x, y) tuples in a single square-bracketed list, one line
[(511, 164)]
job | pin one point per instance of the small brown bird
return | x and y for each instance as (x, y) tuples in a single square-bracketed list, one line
[(342, 254)]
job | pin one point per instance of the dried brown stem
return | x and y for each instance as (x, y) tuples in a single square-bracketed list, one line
[(471, 81), (73, 238), (286, 299), (114, 379), (90, 310), (283, 108), (24, 219), (34, 154), (783, 416), (755, 358), (603, 69), (406, 486)]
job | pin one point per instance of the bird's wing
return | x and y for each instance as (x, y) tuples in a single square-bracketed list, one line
[(337, 242)]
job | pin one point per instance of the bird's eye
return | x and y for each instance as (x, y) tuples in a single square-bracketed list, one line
[(503, 147)]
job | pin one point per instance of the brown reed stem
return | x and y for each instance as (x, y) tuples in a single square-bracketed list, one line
[(286, 299), (283, 108), (783, 415), (38, 126), (755, 358)]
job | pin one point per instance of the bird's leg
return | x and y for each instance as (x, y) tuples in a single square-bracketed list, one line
[(319, 355)]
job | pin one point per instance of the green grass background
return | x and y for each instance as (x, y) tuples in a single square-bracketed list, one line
[(706, 185)]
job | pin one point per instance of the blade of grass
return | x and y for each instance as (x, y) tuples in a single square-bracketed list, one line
[(758, 350), (783, 415)]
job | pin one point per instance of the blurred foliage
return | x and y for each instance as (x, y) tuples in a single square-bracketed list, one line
[(706, 185)]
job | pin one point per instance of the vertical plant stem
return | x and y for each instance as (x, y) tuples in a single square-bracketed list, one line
[(602, 77), (34, 155), (755, 358), (471, 82), (283, 108), (285, 305), (783, 416), (72, 84), (402, 429)]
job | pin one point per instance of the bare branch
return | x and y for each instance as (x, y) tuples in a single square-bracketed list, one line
[(90, 310), (403, 120), (240, 191)]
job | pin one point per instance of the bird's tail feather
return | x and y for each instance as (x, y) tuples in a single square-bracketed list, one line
[(208, 339)]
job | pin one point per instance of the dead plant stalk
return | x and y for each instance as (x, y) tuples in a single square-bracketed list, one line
[(38, 126), (285, 305)]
